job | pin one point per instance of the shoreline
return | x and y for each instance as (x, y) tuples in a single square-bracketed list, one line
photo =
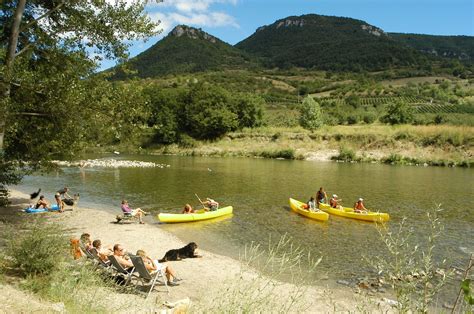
[(202, 275), (449, 146)]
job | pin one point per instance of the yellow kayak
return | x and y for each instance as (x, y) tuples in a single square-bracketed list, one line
[(297, 207), (349, 213), (199, 215)]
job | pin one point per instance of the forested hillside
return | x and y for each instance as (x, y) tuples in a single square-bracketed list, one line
[(328, 43), (454, 47), (185, 50)]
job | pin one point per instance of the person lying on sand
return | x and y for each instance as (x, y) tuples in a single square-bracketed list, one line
[(153, 265)]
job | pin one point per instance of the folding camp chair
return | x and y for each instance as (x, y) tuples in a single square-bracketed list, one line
[(119, 268), (146, 276), (107, 265)]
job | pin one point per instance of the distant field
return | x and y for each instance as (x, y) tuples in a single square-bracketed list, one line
[(414, 80)]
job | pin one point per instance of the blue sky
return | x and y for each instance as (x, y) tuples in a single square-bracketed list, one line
[(234, 20)]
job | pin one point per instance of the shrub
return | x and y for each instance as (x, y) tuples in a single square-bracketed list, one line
[(345, 154), (398, 113), (310, 114), (38, 250), (352, 119), (369, 117), (284, 153)]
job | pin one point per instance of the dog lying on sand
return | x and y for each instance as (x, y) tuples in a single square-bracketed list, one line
[(188, 251)]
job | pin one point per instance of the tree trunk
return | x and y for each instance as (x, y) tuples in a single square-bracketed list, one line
[(9, 59)]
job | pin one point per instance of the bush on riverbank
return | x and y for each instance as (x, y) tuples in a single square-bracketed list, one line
[(37, 254), (412, 271)]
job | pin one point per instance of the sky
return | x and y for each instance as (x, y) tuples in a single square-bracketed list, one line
[(235, 20)]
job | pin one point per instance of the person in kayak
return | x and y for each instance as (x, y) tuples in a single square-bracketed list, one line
[(359, 206), (138, 212), (188, 209), (312, 205), (334, 201), (321, 196), (211, 204)]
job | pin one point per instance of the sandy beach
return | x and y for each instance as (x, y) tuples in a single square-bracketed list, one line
[(204, 278)]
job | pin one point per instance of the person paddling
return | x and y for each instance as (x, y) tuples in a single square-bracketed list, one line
[(359, 206), (334, 201), (321, 196)]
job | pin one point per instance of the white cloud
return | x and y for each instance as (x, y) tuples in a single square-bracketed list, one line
[(190, 12), (190, 5)]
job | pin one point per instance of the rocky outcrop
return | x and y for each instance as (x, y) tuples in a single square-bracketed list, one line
[(373, 30), (193, 33)]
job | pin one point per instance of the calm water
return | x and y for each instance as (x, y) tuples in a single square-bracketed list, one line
[(259, 191)]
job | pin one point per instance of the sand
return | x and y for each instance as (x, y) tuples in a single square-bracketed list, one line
[(203, 277)]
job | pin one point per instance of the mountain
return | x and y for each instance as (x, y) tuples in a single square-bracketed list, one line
[(186, 49), (328, 42), (452, 47)]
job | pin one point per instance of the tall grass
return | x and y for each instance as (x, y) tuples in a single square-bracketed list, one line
[(411, 269), (260, 292)]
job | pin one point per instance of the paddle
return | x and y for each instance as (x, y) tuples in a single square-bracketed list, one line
[(200, 201)]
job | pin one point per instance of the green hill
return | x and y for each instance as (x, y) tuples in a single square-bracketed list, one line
[(329, 43), (453, 47), (186, 50)]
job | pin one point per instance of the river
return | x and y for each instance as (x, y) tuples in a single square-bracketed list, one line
[(259, 190)]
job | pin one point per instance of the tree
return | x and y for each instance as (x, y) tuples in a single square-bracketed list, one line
[(206, 112), (44, 56), (249, 110), (398, 113), (310, 114)]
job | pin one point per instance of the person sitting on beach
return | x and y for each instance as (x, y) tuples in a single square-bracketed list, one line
[(59, 202), (359, 206), (211, 204), (122, 259), (334, 201), (103, 253), (86, 241), (188, 209), (137, 212), (42, 203), (153, 265), (321, 196)]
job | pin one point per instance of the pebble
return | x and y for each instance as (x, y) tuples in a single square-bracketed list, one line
[(343, 282), (109, 163)]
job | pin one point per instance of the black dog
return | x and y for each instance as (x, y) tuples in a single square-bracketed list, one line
[(187, 251)]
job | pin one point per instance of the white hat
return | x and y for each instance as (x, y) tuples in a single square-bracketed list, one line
[(334, 195), (361, 199)]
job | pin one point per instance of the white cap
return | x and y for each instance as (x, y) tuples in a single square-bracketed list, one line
[(334, 195), (361, 199)]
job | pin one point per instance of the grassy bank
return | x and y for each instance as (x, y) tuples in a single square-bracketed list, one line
[(405, 144)]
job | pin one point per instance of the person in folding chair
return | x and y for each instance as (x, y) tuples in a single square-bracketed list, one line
[(122, 259), (153, 265)]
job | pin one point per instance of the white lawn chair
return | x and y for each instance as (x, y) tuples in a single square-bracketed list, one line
[(146, 276)]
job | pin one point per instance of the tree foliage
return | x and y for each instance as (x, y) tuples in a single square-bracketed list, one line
[(310, 114), (45, 48), (398, 113)]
